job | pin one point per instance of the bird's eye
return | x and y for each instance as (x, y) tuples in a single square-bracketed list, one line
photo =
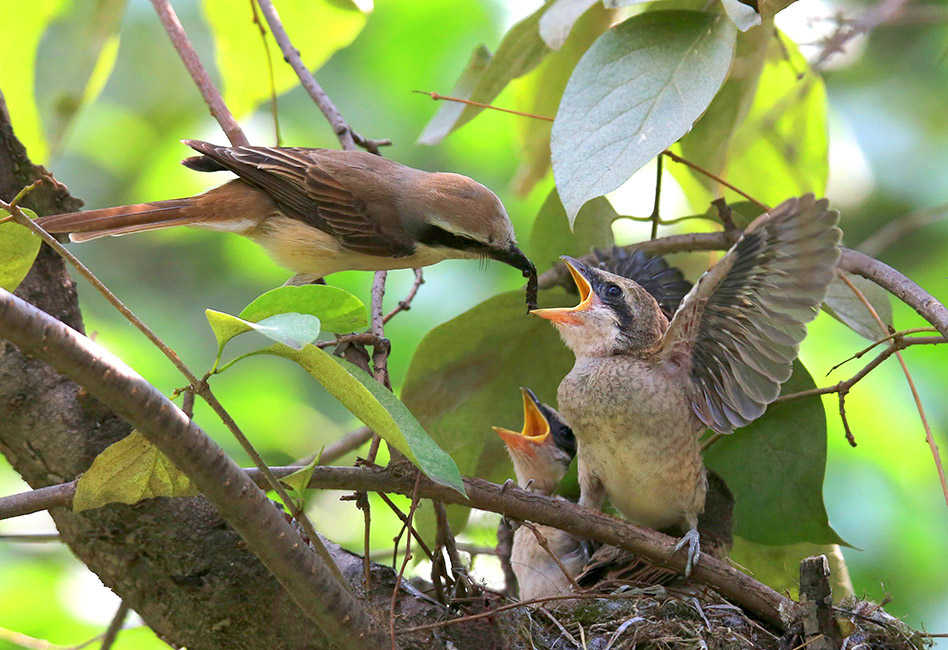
[(612, 291)]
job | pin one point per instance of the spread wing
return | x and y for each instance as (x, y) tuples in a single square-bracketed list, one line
[(737, 331), (665, 283), (311, 190)]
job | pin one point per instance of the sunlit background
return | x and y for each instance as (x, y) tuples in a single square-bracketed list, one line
[(888, 97)]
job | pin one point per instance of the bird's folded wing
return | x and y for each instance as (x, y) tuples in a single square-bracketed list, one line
[(306, 190), (737, 331)]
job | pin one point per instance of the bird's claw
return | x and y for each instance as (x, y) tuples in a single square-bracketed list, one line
[(506, 485), (692, 539)]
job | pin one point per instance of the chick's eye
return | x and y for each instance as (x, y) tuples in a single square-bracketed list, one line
[(612, 291)]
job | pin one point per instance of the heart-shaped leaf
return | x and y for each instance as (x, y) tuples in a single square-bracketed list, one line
[(128, 471), (637, 90), (18, 249), (378, 409)]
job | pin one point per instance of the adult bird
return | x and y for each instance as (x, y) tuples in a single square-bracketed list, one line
[(644, 388), (319, 211), (541, 452)]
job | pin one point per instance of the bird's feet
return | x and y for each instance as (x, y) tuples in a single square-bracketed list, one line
[(692, 539), (508, 483)]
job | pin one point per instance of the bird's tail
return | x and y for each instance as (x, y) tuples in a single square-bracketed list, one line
[(92, 224)]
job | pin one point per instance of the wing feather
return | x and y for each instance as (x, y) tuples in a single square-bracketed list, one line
[(738, 330)]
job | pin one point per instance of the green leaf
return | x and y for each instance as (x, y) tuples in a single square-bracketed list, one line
[(18, 249), (637, 90), (543, 90), (465, 378), (21, 31), (708, 144), (558, 20), (551, 235), (742, 15), (83, 43), (782, 149), (378, 409), (778, 567), (128, 471), (520, 51), (299, 480), (317, 27), (775, 468), (294, 330), (439, 126), (338, 310), (843, 305)]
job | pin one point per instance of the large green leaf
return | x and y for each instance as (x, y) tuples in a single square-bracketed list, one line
[(128, 471), (551, 235), (378, 409), (465, 378), (83, 41), (18, 249), (520, 51), (775, 468), (845, 306), (637, 90), (708, 143), (317, 27)]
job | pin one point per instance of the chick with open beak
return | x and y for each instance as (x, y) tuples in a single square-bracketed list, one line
[(644, 388), (541, 453)]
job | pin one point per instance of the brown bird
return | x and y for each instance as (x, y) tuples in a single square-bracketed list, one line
[(319, 211), (541, 453), (643, 389)]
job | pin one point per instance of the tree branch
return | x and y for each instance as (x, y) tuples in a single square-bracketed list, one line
[(272, 538), (192, 62)]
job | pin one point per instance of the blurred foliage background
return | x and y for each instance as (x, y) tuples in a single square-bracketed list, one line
[(888, 149)]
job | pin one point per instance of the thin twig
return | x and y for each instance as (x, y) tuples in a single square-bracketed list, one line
[(545, 545), (894, 335), (30, 538), (446, 539), (700, 170), (381, 349), (115, 626), (348, 138), (192, 62), (402, 517), (401, 572), (929, 438), (438, 96), (362, 338), (273, 93), (405, 305), (655, 217)]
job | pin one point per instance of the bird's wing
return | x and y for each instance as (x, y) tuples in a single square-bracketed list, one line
[(737, 331), (664, 282), (307, 190)]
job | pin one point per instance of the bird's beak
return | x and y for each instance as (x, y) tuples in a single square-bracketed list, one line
[(568, 315), (536, 428), (514, 257)]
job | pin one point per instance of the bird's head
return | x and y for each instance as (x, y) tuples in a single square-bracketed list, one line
[(543, 449), (614, 316), (466, 219)]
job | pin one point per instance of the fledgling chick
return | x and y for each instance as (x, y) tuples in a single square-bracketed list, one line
[(643, 389), (541, 453)]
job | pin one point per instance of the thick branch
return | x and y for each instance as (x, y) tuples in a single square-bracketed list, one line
[(239, 501)]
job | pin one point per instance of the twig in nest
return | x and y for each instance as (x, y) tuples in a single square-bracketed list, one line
[(401, 572), (545, 545)]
